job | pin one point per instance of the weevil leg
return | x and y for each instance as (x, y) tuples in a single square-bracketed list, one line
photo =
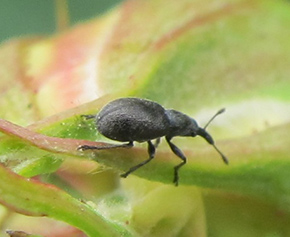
[(179, 153), (111, 146), (151, 152), (157, 142)]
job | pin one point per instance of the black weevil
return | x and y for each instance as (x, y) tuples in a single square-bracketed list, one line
[(140, 120)]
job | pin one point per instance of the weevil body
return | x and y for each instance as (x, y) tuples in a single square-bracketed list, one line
[(132, 119), (140, 120)]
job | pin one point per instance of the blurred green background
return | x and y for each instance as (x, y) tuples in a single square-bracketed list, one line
[(20, 18)]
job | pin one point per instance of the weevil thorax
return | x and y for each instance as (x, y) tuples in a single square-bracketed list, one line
[(181, 124)]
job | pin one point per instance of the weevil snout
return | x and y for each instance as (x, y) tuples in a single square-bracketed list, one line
[(203, 133)]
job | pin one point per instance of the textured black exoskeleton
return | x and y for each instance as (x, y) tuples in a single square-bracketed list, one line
[(140, 120)]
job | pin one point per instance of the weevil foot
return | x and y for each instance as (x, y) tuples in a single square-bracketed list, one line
[(175, 180), (125, 175), (86, 147)]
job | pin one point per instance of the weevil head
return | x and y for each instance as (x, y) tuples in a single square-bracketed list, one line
[(183, 125)]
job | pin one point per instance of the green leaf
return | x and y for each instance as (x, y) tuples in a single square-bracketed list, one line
[(33, 198)]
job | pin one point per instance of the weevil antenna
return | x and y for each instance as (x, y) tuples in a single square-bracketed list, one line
[(225, 159), (213, 117)]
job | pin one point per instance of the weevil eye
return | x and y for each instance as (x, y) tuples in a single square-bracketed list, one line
[(193, 134)]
